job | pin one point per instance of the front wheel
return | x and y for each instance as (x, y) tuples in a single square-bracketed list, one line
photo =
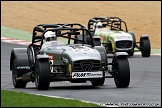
[(121, 71), (145, 47), (42, 74)]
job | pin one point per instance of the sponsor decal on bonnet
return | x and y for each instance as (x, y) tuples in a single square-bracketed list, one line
[(86, 57)]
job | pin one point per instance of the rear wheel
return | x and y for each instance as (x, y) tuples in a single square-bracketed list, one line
[(145, 47), (42, 74), (17, 83), (121, 71)]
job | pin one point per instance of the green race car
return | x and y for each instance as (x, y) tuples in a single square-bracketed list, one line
[(115, 37)]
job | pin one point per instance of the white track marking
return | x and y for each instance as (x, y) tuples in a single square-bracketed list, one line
[(72, 99)]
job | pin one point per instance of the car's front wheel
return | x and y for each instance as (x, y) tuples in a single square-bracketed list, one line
[(145, 47), (42, 74), (121, 72)]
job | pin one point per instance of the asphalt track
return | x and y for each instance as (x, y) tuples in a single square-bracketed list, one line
[(145, 83)]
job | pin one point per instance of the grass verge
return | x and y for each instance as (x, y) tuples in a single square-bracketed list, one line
[(20, 99)]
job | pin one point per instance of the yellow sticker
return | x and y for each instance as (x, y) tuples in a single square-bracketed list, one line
[(70, 70), (113, 46)]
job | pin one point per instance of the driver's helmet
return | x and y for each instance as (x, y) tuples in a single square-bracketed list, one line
[(99, 25), (50, 36)]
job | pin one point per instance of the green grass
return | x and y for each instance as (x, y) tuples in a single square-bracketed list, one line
[(20, 99)]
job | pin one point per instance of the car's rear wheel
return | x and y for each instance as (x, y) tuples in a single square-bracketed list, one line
[(121, 72), (145, 47), (42, 74), (17, 83)]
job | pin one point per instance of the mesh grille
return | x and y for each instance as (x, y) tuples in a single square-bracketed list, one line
[(124, 44), (86, 65)]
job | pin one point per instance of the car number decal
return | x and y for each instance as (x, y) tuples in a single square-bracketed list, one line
[(123, 37), (81, 50)]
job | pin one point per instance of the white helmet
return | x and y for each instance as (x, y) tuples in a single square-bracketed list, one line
[(50, 36), (99, 25)]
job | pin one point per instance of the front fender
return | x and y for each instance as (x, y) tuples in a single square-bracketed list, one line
[(124, 54), (42, 56), (20, 54)]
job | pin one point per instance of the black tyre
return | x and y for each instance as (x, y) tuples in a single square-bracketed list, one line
[(145, 47), (42, 74), (15, 74), (121, 71), (97, 42)]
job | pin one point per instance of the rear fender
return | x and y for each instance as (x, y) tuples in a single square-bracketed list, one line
[(22, 63), (145, 36)]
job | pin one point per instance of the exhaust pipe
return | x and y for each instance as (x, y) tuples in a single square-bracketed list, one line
[(19, 78), (25, 77)]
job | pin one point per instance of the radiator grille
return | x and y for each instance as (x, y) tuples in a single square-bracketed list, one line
[(86, 65), (124, 44)]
